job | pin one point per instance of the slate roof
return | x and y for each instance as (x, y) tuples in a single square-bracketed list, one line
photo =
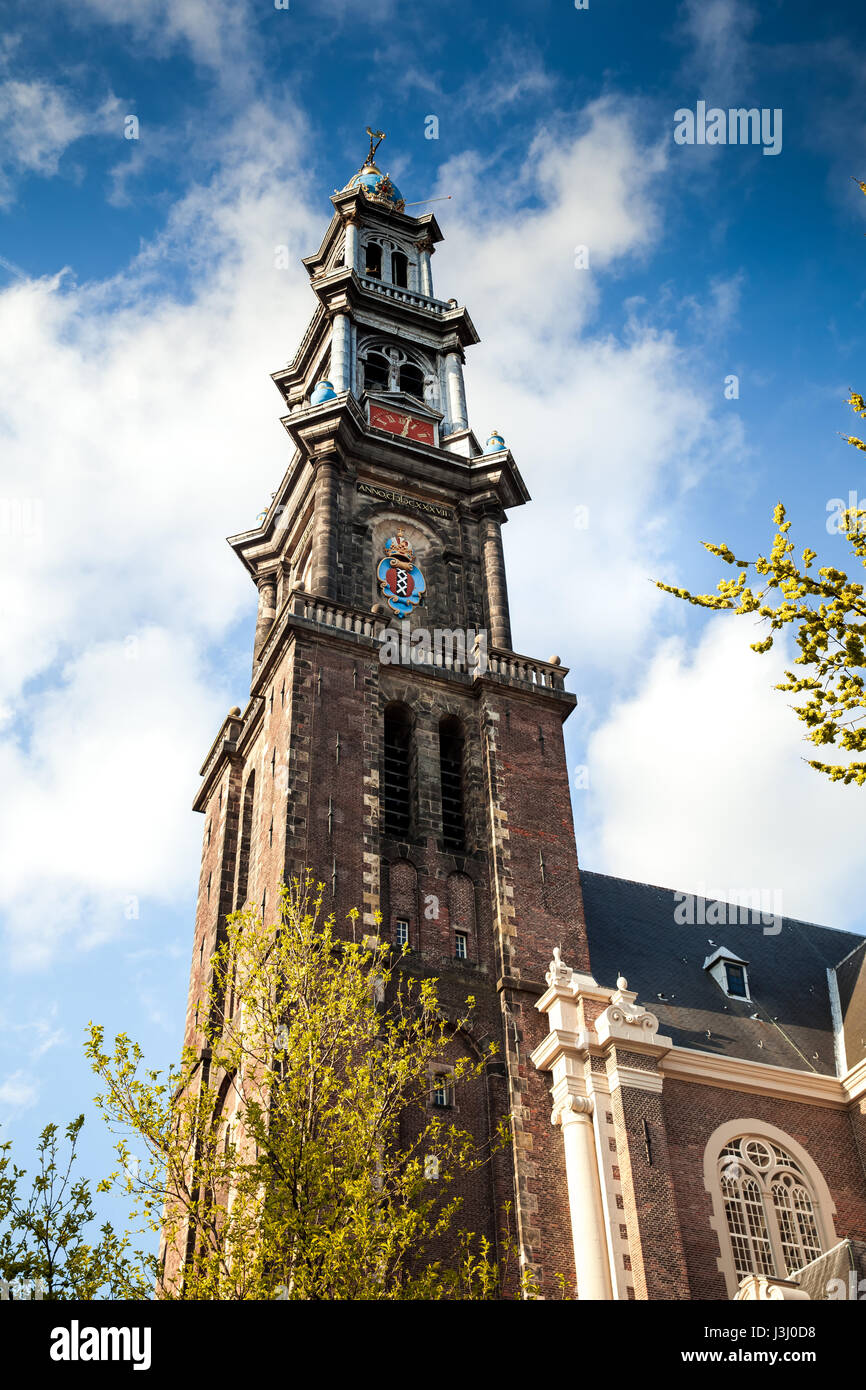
[(633, 931), (851, 977)]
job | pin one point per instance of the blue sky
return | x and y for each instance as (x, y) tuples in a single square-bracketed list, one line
[(141, 312)]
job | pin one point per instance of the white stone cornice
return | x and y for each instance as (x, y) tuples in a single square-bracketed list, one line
[(557, 1043), (854, 1081), (759, 1078), (637, 1078)]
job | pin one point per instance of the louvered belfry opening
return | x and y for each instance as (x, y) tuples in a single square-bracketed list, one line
[(243, 872), (398, 760), (451, 775)]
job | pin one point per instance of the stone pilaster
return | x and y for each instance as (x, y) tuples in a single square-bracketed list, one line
[(628, 1033)]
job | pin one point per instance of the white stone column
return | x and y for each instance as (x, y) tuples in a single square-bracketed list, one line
[(350, 252), (584, 1199), (564, 1053), (341, 353), (458, 419)]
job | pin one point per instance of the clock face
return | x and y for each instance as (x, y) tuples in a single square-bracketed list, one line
[(406, 426)]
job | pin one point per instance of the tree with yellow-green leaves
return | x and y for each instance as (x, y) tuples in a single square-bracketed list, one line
[(825, 609), (296, 1154), (50, 1247)]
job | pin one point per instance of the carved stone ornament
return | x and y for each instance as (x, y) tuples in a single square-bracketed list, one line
[(558, 973)]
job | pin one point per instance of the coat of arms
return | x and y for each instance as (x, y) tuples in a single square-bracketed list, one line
[(400, 580)]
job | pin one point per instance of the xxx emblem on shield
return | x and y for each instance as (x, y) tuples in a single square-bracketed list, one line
[(400, 580)]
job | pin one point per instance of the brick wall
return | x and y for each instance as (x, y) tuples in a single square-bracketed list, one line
[(693, 1112)]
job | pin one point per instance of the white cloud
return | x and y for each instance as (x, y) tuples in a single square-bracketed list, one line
[(721, 58), (99, 817), (617, 425), (38, 123), (215, 32), (18, 1092), (154, 435), (512, 237), (698, 783)]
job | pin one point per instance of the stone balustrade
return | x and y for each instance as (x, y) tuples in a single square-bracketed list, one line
[(404, 296), (449, 654)]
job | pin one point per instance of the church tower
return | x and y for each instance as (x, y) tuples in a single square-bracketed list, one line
[(393, 740)]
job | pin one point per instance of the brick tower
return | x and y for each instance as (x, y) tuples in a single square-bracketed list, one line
[(395, 744), (429, 784)]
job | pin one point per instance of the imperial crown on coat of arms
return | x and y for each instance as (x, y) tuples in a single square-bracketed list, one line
[(400, 580)]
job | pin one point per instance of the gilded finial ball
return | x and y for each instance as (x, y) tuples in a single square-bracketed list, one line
[(555, 661), (495, 444), (234, 711), (621, 982)]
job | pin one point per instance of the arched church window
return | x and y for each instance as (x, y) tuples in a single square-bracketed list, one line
[(398, 771), (400, 269), (451, 780), (376, 372), (373, 260), (770, 1208), (412, 380)]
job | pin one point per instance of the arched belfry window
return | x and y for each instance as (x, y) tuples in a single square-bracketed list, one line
[(771, 1206), (397, 785), (373, 260), (412, 380), (244, 847), (376, 372), (451, 779), (400, 269)]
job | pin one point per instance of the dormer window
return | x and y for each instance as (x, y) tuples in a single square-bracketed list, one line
[(729, 972), (412, 380), (735, 976), (373, 261), (400, 269)]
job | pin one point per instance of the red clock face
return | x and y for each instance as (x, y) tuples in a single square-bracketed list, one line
[(395, 422)]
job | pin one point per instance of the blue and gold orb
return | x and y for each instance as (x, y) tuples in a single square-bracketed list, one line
[(377, 185), (324, 392)]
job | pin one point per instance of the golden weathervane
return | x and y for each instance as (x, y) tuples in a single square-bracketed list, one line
[(378, 136)]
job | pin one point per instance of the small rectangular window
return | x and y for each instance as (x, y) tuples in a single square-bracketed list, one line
[(442, 1091), (401, 932), (460, 945), (736, 980)]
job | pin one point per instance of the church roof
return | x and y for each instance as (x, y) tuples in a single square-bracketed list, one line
[(787, 1020)]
